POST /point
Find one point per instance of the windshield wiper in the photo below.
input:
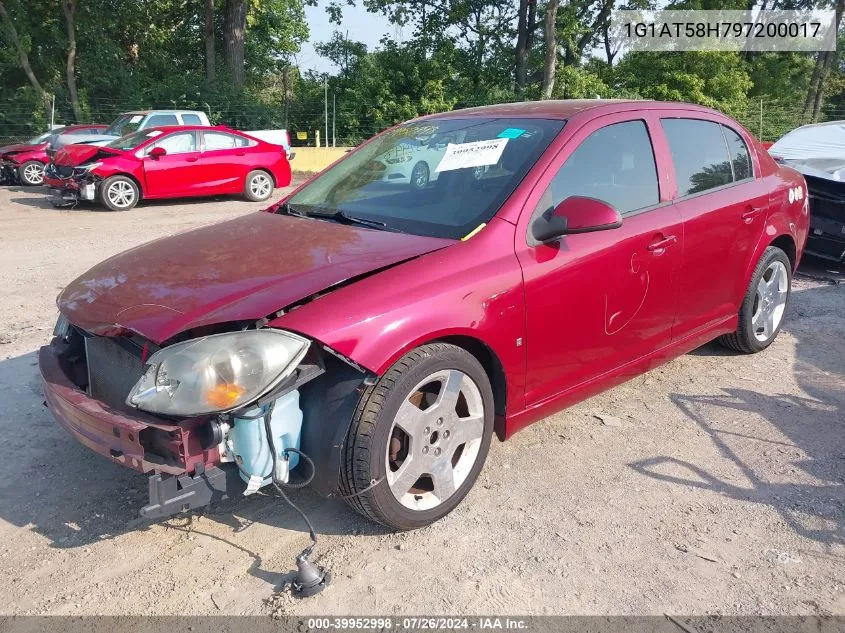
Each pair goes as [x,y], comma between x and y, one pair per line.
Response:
[287,209]
[341,215]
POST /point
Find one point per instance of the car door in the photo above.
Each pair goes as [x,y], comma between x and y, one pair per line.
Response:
[225,161]
[723,207]
[178,172]
[598,301]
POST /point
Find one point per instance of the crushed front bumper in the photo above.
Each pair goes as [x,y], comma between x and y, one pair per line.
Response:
[187,476]
[67,190]
[136,440]
[8,172]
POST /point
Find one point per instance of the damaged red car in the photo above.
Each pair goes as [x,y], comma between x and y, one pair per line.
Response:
[167,162]
[24,162]
[370,337]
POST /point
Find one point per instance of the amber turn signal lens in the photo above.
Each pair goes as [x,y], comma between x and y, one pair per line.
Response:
[224,395]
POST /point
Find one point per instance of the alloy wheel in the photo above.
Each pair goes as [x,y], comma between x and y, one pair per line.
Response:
[34,173]
[419,176]
[121,194]
[435,440]
[770,301]
[260,186]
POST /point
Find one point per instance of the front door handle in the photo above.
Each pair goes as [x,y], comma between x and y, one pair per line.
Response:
[750,213]
[660,245]
[192,159]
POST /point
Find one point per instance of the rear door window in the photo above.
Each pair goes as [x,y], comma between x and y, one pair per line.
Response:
[699,153]
[740,157]
[614,164]
[220,140]
[191,119]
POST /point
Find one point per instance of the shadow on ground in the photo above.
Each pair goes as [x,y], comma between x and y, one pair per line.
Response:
[809,494]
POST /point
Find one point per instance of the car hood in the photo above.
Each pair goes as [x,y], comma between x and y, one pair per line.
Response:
[20,147]
[73,155]
[242,269]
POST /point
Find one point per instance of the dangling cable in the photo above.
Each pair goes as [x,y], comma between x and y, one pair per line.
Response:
[310,579]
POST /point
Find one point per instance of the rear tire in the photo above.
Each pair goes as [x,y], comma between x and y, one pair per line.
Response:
[423,430]
[31,173]
[119,193]
[763,308]
[258,186]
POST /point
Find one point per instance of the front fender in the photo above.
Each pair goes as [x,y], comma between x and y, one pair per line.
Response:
[471,289]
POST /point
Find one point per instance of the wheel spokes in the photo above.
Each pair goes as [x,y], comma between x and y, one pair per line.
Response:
[469,429]
[443,479]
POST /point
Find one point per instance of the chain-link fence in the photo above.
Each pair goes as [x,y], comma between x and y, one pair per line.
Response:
[338,124]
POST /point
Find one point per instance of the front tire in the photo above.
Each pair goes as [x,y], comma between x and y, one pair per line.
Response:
[762,310]
[31,173]
[258,186]
[424,430]
[119,193]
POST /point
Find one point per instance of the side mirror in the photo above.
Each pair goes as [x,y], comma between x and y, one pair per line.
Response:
[576,214]
[157,152]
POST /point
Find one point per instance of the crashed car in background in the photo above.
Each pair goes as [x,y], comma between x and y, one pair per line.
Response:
[24,162]
[130,122]
[126,124]
[167,162]
[818,152]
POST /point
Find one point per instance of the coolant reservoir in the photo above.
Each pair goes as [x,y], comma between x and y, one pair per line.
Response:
[249,440]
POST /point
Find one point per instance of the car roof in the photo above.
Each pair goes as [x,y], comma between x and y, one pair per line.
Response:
[565,109]
[163,112]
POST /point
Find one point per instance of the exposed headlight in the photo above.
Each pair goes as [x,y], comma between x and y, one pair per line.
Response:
[62,326]
[217,373]
[90,167]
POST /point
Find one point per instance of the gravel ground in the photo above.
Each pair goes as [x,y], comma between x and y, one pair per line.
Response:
[712,485]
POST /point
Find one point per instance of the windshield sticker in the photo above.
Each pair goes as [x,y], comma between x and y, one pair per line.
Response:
[154,133]
[475,154]
[136,118]
[511,132]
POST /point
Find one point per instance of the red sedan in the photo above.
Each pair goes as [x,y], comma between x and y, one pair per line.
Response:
[386,330]
[24,162]
[167,162]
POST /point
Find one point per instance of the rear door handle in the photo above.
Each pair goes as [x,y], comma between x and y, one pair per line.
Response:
[750,213]
[662,244]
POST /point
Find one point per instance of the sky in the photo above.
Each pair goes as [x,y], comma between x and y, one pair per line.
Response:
[361,25]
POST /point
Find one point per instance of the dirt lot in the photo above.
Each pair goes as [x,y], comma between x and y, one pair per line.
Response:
[717,484]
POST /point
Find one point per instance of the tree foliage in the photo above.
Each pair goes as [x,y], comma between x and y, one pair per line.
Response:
[236,59]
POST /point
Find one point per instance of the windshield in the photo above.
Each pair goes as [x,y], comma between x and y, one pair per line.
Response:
[124,125]
[42,138]
[131,141]
[441,178]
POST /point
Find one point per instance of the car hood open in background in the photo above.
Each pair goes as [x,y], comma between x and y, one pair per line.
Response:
[242,269]
[20,147]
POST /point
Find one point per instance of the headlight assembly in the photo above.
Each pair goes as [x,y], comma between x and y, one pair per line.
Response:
[217,373]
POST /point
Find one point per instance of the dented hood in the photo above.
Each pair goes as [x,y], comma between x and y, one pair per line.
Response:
[243,269]
[74,155]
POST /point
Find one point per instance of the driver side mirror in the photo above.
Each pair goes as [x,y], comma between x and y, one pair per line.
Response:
[576,214]
[157,152]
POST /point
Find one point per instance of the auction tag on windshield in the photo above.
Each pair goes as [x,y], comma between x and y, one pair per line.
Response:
[136,118]
[475,154]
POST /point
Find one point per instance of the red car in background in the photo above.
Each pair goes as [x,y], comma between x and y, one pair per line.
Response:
[167,162]
[24,162]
